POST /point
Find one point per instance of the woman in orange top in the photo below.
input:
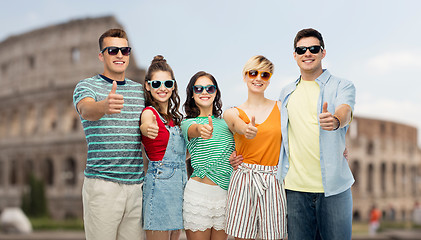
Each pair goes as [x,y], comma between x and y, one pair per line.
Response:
[256,204]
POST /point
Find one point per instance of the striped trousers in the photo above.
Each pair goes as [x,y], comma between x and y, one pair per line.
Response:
[256,206]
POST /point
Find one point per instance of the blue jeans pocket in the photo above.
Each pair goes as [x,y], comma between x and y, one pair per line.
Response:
[165,173]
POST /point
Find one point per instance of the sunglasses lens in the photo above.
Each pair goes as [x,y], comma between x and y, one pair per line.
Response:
[314,49]
[169,84]
[113,50]
[265,75]
[125,51]
[197,89]
[155,84]
[253,73]
[300,50]
[210,89]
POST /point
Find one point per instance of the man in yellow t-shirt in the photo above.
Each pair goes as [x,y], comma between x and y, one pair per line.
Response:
[316,110]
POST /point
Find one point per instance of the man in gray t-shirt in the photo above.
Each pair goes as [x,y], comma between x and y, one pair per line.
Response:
[109,106]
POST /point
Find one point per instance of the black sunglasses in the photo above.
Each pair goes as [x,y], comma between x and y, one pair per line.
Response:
[114,50]
[157,84]
[313,49]
[198,89]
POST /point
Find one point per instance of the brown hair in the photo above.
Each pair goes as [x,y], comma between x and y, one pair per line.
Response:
[160,64]
[115,32]
[309,32]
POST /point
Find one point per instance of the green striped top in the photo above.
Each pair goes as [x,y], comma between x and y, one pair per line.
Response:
[210,157]
[114,140]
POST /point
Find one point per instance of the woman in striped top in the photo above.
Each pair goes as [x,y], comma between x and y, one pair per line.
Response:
[210,143]
[166,151]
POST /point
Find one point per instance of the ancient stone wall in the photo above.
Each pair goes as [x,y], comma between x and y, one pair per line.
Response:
[40,131]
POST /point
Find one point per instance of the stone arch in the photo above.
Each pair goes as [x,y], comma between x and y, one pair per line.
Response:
[404,178]
[50,118]
[70,171]
[14,124]
[413,180]
[71,120]
[356,215]
[14,172]
[394,176]
[75,53]
[30,121]
[28,170]
[370,177]
[3,127]
[48,172]
[2,173]
[370,148]
[355,168]
[383,178]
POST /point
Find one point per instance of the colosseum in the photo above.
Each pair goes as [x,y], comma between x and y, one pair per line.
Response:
[40,131]
[386,162]
[41,134]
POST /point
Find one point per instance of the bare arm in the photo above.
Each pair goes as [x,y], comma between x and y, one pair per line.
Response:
[91,110]
[201,130]
[148,124]
[339,119]
[237,125]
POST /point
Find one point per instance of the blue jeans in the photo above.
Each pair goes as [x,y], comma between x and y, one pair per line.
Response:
[314,216]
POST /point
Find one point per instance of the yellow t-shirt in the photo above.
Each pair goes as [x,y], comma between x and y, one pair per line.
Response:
[304,173]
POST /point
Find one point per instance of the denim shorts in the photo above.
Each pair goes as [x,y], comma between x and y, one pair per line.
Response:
[163,190]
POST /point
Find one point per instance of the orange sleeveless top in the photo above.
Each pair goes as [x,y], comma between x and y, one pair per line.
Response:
[264,149]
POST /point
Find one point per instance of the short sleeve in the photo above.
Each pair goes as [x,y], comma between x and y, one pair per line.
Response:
[346,94]
[185,125]
[82,91]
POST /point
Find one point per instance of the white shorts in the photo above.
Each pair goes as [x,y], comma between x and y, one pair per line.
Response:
[112,210]
[204,206]
[256,205]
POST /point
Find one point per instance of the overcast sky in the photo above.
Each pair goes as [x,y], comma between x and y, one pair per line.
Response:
[374,43]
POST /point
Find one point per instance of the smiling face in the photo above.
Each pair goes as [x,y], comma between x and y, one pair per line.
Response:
[161,94]
[114,65]
[204,100]
[256,84]
[310,62]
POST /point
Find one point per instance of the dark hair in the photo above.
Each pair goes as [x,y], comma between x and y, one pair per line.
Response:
[309,32]
[115,32]
[160,64]
[190,107]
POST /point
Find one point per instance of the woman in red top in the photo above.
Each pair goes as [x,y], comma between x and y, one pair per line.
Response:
[165,148]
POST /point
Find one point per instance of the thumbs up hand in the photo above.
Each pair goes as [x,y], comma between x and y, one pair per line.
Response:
[152,129]
[251,129]
[206,130]
[114,102]
[326,119]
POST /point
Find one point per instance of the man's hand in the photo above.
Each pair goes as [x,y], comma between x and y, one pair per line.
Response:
[326,119]
[152,129]
[235,160]
[251,129]
[114,102]
[206,130]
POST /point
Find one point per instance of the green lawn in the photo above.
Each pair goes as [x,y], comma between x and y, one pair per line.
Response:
[45,223]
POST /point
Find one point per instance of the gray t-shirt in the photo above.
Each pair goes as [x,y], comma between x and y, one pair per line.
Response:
[114,152]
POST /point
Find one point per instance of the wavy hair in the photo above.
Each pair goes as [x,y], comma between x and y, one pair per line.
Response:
[160,64]
[190,107]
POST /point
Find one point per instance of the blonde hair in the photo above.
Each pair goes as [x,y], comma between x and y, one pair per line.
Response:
[258,62]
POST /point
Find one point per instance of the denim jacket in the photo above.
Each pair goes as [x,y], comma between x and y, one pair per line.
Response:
[336,174]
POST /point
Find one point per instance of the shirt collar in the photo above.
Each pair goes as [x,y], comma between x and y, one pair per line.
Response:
[323,78]
[111,80]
